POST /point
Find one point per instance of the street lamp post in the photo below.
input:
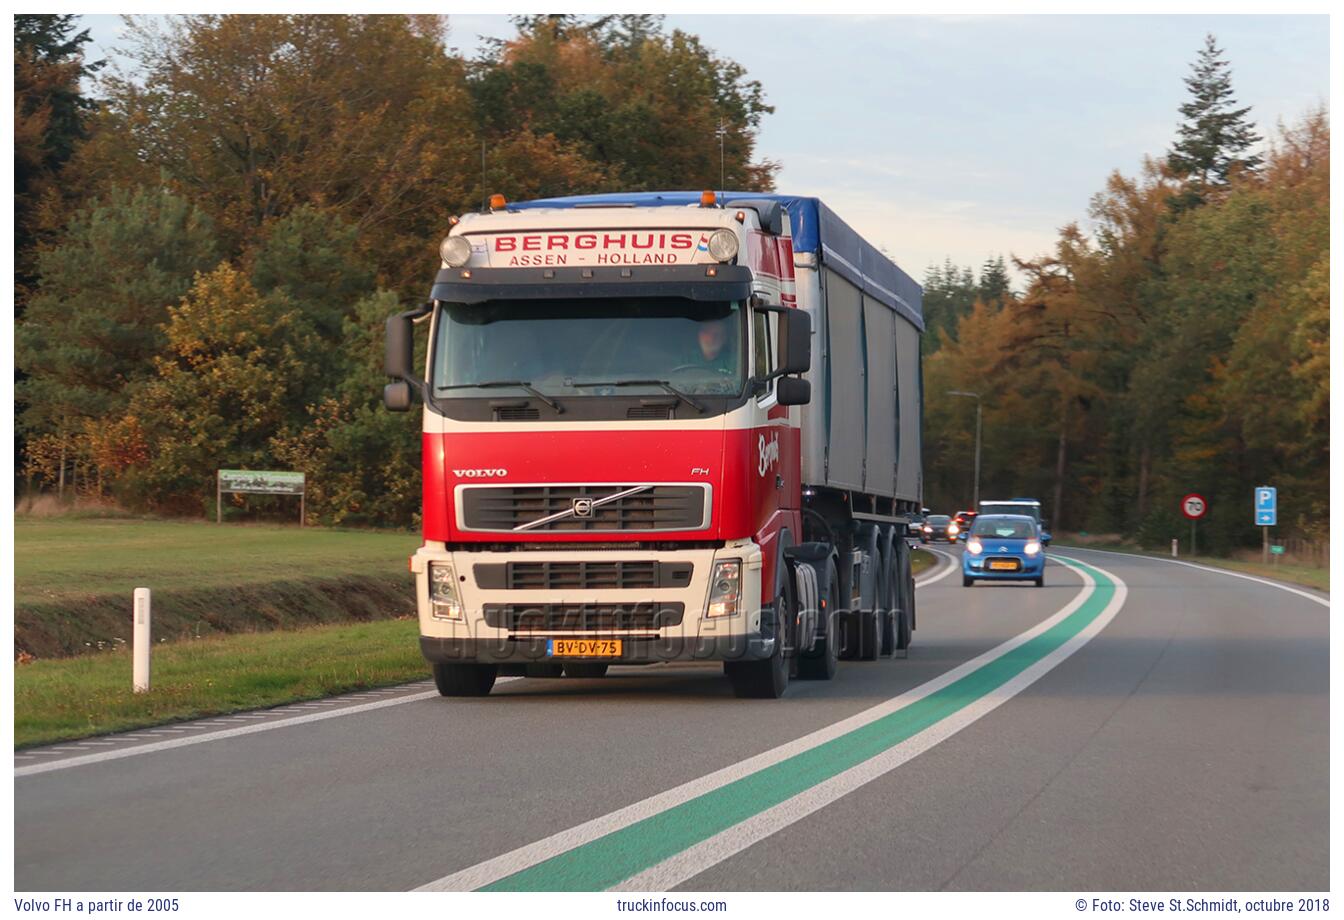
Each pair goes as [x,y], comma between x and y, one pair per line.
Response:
[975,500]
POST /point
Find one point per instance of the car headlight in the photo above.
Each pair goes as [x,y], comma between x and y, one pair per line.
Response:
[455,250]
[1032,548]
[725,588]
[953,529]
[444,602]
[973,546]
[928,529]
[723,245]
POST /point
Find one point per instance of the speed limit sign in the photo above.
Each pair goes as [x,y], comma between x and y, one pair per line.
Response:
[1194,506]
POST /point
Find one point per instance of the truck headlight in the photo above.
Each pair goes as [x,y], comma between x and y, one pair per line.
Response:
[455,250]
[444,602]
[725,588]
[723,245]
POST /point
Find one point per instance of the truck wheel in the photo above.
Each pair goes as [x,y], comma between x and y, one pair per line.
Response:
[891,606]
[765,679]
[586,670]
[454,679]
[821,662]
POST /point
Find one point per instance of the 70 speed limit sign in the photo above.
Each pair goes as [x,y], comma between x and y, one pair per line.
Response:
[1194,506]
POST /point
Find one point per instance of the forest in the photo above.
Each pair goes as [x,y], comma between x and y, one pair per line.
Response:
[207,246]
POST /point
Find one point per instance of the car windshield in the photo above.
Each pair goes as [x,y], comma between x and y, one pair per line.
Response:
[589,346]
[1004,528]
[939,519]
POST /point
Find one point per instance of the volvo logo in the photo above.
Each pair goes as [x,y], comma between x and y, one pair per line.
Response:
[583,507]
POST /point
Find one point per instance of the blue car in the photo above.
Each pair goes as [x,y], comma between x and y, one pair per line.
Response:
[1004,547]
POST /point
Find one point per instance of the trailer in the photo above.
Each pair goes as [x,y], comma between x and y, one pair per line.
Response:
[663,426]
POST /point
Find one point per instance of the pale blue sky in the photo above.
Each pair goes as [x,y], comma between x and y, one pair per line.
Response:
[970,136]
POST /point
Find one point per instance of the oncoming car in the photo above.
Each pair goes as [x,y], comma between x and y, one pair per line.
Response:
[1003,547]
[940,528]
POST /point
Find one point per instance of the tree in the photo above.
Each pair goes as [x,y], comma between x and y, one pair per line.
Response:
[51,114]
[94,324]
[612,93]
[226,384]
[1215,135]
[994,287]
[252,117]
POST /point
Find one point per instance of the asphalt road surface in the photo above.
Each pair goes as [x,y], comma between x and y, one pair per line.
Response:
[1134,725]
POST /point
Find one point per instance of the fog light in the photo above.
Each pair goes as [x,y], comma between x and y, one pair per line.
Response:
[725,588]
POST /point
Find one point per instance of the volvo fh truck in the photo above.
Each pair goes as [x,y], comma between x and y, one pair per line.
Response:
[663,427]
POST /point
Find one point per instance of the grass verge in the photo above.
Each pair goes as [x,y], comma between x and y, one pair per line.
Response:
[1305,575]
[74,577]
[63,699]
[921,561]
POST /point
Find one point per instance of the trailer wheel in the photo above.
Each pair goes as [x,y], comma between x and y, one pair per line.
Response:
[765,679]
[890,607]
[821,662]
[458,679]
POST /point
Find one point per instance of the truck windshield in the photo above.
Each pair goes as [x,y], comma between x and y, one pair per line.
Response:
[1030,509]
[590,346]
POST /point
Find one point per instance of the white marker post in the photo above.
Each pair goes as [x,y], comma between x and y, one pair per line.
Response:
[140,642]
[1174,544]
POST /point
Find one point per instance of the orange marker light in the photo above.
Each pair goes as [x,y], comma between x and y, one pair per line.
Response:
[498,202]
[707,198]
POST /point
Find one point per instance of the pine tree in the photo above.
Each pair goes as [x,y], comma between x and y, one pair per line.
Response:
[1215,135]
[993,288]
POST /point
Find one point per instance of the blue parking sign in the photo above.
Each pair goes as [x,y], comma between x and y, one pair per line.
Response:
[1266,506]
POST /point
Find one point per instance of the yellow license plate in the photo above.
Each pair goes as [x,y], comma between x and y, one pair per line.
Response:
[583,648]
[1003,565]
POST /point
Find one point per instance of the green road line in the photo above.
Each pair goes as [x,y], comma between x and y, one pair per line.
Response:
[609,860]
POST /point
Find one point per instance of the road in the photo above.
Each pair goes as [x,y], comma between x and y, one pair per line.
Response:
[1134,725]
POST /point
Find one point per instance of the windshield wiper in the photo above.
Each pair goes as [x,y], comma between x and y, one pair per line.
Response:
[498,384]
[647,383]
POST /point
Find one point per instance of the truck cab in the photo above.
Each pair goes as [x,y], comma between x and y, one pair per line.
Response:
[611,442]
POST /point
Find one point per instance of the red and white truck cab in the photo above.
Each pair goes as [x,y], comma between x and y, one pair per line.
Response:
[615,398]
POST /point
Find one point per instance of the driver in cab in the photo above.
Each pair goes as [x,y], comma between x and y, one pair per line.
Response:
[716,351]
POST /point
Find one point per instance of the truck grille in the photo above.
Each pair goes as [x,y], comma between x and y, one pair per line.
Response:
[524,508]
[556,576]
[589,617]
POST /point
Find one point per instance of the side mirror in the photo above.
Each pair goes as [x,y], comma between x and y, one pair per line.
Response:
[400,348]
[792,391]
[795,343]
[397,396]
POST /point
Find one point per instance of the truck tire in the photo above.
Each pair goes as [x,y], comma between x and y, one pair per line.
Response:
[822,661]
[767,678]
[863,638]
[461,679]
[890,600]
[586,670]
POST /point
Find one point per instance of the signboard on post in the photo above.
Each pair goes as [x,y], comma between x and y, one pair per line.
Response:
[1266,506]
[261,482]
[1194,507]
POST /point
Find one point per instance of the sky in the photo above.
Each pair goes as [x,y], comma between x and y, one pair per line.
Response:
[969,137]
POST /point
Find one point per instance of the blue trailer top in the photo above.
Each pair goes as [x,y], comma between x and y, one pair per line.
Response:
[816,229]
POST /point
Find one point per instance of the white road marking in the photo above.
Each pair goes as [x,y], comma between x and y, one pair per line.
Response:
[938,574]
[171,743]
[1323,601]
[702,856]
[506,864]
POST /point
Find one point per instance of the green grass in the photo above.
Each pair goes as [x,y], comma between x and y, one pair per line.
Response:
[69,558]
[919,561]
[70,698]
[74,577]
[1306,575]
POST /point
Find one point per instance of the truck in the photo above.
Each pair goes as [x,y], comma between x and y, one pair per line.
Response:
[1019,505]
[663,427]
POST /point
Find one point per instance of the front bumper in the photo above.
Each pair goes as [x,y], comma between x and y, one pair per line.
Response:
[1028,566]
[470,638]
